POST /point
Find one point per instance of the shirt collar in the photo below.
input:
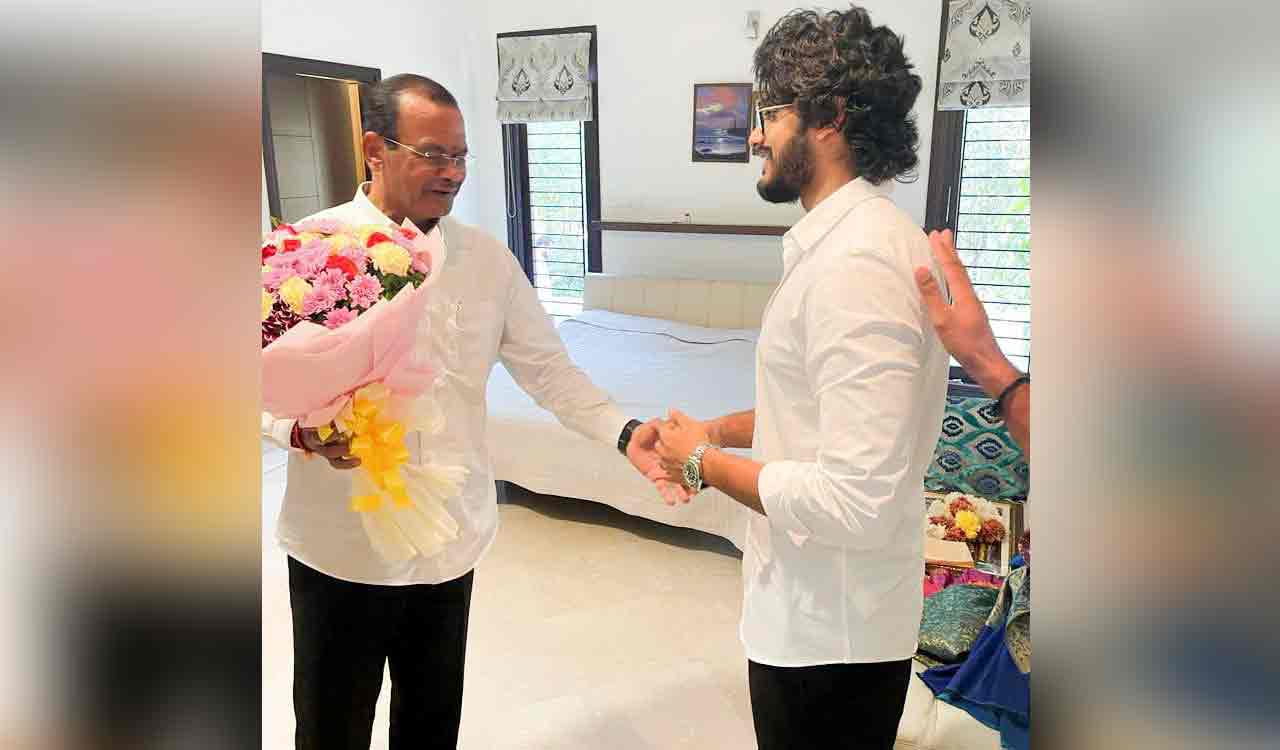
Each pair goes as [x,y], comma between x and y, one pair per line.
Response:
[822,218]
[369,213]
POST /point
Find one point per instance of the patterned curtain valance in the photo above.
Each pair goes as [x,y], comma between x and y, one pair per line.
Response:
[987,58]
[544,78]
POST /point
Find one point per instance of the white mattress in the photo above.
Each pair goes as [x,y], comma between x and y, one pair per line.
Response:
[648,365]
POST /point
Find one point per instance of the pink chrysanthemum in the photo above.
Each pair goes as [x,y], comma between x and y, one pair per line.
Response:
[311,262]
[357,255]
[272,279]
[334,279]
[317,301]
[339,316]
[364,290]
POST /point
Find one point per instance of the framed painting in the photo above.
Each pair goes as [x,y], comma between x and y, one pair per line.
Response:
[721,122]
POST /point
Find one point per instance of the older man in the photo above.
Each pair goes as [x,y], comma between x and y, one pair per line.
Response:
[352,611]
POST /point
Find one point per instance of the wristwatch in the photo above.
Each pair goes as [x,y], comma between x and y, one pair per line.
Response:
[693,468]
[624,439]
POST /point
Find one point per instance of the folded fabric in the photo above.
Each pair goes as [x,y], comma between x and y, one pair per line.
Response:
[952,620]
[994,683]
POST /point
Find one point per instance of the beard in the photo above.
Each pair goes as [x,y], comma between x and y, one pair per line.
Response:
[792,171]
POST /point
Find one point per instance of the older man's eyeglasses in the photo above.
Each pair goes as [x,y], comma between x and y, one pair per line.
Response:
[435,160]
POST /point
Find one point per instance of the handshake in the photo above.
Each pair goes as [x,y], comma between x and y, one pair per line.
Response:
[660,448]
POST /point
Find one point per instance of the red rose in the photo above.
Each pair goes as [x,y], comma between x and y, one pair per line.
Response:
[375,238]
[268,251]
[346,265]
[407,233]
[955,534]
[289,246]
[941,521]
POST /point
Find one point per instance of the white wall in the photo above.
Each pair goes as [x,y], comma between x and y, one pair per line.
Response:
[396,36]
[650,55]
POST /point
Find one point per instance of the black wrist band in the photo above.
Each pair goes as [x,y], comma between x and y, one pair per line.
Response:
[1004,395]
[624,439]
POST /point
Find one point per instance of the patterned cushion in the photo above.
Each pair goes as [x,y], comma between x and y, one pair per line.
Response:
[952,620]
[976,455]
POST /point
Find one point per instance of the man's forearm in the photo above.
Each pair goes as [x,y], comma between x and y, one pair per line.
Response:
[733,430]
[1017,417]
[737,477]
[994,376]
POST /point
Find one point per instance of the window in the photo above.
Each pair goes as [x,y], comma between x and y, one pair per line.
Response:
[980,188]
[557,201]
[993,222]
[553,198]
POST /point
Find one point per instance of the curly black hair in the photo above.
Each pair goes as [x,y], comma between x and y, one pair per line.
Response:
[826,63]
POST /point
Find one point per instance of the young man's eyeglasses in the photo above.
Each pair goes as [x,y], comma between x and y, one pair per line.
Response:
[434,160]
[769,114]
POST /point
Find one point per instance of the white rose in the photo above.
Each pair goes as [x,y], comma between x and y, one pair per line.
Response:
[936,530]
[938,508]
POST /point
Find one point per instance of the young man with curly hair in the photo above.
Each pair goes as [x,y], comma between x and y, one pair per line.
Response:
[850,385]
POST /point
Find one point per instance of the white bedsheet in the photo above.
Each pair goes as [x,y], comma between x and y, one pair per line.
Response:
[648,365]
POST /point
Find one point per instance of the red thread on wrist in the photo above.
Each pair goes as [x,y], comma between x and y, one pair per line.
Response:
[295,438]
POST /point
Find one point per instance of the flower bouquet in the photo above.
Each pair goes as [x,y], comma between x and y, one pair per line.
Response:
[341,311]
[965,518]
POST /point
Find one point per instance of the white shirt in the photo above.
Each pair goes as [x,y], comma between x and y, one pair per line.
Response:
[850,390]
[481,309]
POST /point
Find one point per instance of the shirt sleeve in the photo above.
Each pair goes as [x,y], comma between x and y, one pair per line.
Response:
[535,356]
[863,353]
[278,431]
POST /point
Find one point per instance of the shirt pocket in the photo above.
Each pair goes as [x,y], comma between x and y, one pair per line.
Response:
[466,332]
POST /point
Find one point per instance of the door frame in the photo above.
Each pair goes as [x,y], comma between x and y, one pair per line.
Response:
[287,65]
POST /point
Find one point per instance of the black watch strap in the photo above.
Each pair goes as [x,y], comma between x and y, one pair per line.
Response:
[625,438]
[1004,395]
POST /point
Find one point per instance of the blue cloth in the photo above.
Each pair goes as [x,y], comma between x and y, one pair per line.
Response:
[990,685]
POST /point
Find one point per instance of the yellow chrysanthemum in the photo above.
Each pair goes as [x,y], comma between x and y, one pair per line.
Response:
[388,257]
[306,237]
[338,241]
[267,302]
[969,523]
[293,291]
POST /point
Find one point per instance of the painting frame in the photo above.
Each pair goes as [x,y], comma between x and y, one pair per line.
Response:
[722,123]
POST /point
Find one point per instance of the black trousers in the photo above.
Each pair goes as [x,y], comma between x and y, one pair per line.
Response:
[829,706]
[343,634]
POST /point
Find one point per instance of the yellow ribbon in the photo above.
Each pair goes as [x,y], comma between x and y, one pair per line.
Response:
[379,444]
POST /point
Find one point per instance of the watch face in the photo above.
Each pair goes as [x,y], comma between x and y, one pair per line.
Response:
[690,475]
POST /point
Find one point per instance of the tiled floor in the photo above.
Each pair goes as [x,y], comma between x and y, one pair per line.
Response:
[589,629]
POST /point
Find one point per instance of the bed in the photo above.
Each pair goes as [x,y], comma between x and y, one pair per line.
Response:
[652,344]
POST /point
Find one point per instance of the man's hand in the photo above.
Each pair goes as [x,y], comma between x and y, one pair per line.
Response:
[676,440]
[642,450]
[337,450]
[962,325]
